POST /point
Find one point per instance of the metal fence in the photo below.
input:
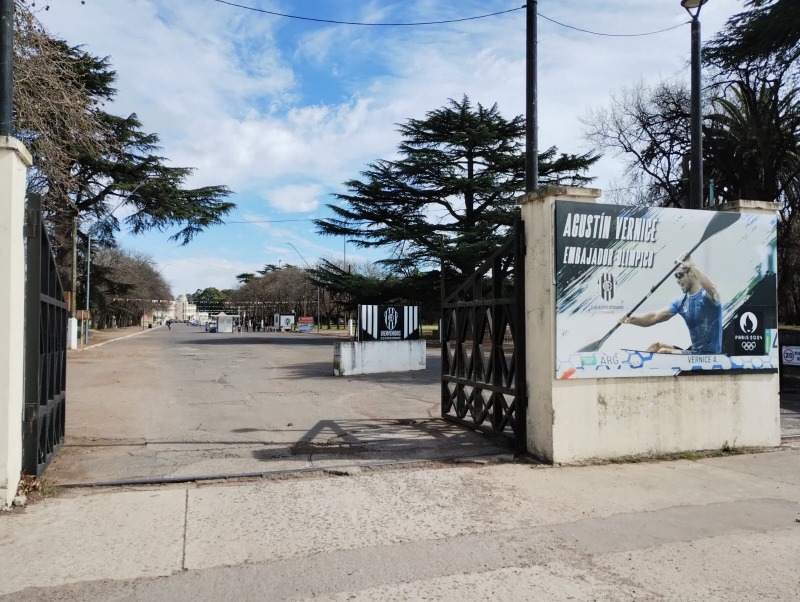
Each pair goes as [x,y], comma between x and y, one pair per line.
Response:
[45,347]
[483,346]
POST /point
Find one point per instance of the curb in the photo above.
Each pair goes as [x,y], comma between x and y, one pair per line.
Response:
[127,336]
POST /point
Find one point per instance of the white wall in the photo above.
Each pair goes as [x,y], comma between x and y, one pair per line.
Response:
[374,357]
[570,421]
[14,162]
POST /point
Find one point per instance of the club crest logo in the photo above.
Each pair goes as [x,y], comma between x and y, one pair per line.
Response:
[607,286]
[390,318]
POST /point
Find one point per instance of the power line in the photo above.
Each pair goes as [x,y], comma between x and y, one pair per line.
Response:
[446,21]
[612,35]
[335,22]
[271,221]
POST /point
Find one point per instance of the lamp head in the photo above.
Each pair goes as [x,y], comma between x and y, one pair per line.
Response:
[695,5]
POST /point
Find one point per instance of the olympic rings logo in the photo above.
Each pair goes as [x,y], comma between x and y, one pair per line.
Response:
[749,345]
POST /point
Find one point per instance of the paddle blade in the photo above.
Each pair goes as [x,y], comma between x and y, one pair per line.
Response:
[592,347]
[717,223]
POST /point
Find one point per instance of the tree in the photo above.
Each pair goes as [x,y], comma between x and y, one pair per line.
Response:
[125,286]
[87,162]
[649,126]
[450,196]
[278,291]
[753,143]
[207,295]
[768,31]
[245,277]
[54,112]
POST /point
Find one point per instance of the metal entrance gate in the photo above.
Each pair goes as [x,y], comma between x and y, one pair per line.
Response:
[483,346]
[45,347]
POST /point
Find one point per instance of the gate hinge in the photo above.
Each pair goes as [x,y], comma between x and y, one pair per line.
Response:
[32,217]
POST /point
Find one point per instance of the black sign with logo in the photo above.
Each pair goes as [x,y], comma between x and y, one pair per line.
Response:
[388,322]
[748,332]
[607,286]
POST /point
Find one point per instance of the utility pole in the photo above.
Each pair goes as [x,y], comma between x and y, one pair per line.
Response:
[73,295]
[88,267]
[531,119]
[6,67]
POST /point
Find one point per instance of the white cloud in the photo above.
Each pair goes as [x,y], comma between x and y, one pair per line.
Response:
[295,198]
[232,95]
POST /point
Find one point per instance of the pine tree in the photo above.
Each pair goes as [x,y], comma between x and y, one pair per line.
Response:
[449,197]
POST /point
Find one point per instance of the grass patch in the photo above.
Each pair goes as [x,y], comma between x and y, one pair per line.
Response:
[730,450]
[725,450]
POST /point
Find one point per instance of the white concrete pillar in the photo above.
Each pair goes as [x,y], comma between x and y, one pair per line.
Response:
[72,333]
[14,163]
[578,419]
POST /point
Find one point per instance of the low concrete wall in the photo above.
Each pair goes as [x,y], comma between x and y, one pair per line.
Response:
[374,357]
[14,162]
[571,421]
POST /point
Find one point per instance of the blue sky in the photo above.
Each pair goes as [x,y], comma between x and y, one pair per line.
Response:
[283,111]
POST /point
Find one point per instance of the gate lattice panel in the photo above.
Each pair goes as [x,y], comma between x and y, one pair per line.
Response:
[45,348]
[483,346]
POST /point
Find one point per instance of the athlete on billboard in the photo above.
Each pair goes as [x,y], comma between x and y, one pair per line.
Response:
[700,308]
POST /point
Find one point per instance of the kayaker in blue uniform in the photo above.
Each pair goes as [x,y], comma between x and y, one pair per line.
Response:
[700,308]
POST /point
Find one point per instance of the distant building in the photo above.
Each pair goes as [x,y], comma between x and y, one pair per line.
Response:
[182,310]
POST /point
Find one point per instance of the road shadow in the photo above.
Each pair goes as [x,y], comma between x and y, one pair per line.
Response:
[388,440]
[430,376]
[260,338]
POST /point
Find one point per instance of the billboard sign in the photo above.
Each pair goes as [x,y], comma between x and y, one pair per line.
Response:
[283,321]
[388,322]
[652,291]
[305,324]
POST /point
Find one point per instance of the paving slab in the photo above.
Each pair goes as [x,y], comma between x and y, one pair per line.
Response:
[661,531]
[116,535]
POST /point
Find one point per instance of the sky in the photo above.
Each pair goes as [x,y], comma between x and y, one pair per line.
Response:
[283,111]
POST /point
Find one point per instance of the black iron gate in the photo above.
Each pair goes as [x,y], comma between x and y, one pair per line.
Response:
[45,347]
[483,346]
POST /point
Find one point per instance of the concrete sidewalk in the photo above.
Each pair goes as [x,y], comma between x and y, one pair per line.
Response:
[721,528]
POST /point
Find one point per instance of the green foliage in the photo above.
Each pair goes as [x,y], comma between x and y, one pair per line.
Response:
[449,197]
[89,162]
[768,31]
[245,277]
[207,295]
[752,141]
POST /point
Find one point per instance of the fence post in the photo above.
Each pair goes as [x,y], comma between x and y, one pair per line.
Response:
[14,162]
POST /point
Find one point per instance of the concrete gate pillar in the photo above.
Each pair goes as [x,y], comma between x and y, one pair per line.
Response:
[574,420]
[14,162]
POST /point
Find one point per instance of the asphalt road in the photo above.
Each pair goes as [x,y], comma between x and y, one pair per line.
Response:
[183,403]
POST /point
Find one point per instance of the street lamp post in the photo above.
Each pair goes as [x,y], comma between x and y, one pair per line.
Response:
[319,323]
[696,174]
[88,273]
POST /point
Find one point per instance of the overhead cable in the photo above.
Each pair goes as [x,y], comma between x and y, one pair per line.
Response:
[446,21]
